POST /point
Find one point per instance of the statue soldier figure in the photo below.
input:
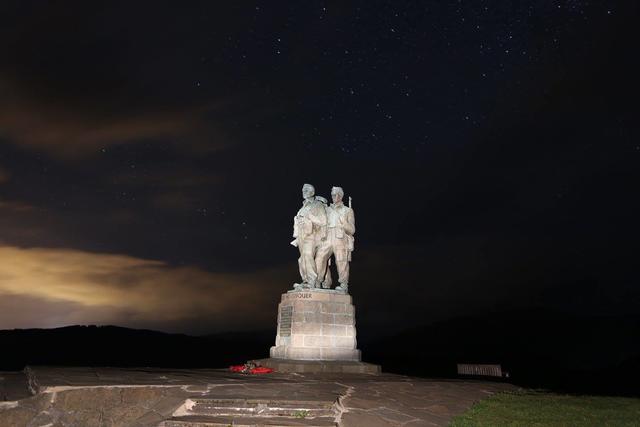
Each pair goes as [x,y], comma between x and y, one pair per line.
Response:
[341,226]
[309,227]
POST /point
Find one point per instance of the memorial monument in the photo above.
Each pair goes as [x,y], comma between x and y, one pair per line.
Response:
[317,324]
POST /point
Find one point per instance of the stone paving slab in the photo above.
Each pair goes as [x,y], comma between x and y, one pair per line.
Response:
[146,397]
[195,421]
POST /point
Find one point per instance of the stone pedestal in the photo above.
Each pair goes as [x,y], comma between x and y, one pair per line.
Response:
[316,325]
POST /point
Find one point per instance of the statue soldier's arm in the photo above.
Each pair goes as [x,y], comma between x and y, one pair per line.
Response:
[295,231]
[350,224]
[318,215]
[350,229]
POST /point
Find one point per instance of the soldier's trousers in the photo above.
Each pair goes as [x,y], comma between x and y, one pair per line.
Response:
[306,262]
[338,248]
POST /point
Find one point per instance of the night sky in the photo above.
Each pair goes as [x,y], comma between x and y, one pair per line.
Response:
[152,156]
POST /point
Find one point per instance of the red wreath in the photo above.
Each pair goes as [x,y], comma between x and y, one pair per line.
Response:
[250,369]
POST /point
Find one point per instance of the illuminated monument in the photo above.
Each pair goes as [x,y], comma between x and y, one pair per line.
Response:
[316,324]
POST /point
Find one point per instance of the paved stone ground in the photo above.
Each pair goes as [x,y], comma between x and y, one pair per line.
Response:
[158,397]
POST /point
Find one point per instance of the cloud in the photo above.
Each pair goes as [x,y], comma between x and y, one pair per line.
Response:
[175,201]
[61,286]
[175,188]
[4,176]
[15,206]
[71,130]
[69,134]
[171,177]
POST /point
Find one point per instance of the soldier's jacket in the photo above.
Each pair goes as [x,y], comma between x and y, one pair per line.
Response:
[342,219]
[311,218]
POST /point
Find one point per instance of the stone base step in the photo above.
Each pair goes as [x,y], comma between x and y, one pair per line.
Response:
[210,421]
[261,407]
[319,366]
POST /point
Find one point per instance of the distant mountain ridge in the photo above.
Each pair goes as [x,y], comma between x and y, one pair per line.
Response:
[539,348]
[119,346]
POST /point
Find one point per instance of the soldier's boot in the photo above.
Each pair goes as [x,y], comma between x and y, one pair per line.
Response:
[344,287]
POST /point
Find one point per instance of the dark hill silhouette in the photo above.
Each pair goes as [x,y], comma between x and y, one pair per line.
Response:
[538,348]
[116,346]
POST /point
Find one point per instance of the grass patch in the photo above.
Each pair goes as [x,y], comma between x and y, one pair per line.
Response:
[532,408]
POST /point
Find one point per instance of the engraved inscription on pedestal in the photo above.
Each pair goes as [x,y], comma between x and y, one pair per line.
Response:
[286,314]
